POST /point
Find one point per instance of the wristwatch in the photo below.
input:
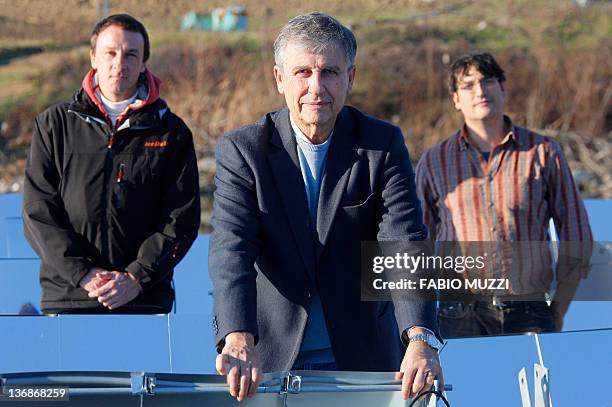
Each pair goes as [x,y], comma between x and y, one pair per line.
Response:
[429,339]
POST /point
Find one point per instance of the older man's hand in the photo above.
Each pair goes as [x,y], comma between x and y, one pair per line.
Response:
[421,365]
[119,289]
[240,362]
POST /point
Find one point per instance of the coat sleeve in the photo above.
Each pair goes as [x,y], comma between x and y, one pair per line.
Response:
[402,223]
[179,218]
[46,224]
[234,244]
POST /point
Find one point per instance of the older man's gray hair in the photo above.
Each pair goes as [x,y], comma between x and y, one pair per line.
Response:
[316,32]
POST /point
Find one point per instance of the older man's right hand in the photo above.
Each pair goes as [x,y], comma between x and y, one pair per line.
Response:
[240,362]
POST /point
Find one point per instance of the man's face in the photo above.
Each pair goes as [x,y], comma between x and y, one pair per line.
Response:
[479,98]
[118,59]
[315,86]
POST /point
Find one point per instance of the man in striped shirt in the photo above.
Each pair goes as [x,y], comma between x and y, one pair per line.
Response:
[495,182]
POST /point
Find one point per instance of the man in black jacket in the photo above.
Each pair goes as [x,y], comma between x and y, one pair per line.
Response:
[111,195]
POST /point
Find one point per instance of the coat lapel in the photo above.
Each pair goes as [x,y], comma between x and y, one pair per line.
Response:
[340,159]
[286,171]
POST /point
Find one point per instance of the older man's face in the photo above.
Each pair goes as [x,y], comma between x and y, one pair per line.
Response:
[315,86]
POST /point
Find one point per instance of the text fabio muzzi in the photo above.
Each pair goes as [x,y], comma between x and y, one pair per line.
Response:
[443,284]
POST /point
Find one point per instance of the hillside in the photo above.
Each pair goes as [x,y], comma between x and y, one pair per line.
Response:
[557,56]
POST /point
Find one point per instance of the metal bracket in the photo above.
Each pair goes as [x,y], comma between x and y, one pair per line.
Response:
[433,399]
[143,384]
[541,395]
[291,384]
[541,385]
[525,399]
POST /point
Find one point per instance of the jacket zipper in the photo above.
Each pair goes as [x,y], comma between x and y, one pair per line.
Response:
[108,168]
[118,198]
[106,195]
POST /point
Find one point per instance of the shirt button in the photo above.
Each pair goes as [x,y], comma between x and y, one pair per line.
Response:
[492,230]
[491,204]
[307,294]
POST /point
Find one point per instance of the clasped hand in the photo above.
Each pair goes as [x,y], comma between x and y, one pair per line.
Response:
[113,289]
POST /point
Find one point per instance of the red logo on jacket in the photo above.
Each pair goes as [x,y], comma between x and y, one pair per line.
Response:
[158,144]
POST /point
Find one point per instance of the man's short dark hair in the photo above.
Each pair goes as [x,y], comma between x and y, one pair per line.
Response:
[125,21]
[482,61]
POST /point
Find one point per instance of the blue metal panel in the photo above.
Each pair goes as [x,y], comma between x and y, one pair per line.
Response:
[565,355]
[191,280]
[599,218]
[82,342]
[19,285]
[29,344]
[10,205]
[192,343]
[114,343]
[13,244]
[484,371]
[12,240]
[588,315]
[139,343]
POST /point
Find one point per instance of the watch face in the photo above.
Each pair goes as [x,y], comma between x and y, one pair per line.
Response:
[433,342]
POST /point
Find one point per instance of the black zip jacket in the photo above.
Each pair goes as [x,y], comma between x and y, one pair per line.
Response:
[125,200]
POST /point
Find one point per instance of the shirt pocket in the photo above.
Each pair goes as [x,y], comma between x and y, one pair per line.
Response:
[523,191]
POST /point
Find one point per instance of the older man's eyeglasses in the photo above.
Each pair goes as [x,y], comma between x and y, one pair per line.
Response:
[470,86]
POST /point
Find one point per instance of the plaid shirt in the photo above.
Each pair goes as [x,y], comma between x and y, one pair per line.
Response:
[511,197]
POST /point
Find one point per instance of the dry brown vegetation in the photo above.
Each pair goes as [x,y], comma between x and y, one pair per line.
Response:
[558,61]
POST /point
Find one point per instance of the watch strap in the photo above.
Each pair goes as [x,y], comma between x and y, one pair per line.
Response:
[428,338]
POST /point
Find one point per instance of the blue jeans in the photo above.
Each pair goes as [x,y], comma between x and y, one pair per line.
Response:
[483,318]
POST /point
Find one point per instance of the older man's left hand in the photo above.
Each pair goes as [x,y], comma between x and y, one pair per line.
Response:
[120,289]
[421,365]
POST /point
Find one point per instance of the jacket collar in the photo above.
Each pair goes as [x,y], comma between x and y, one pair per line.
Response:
[286,171]
[147,94]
